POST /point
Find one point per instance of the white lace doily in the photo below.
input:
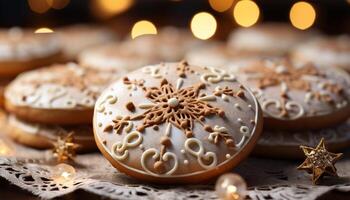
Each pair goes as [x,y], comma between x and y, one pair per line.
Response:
[267,179]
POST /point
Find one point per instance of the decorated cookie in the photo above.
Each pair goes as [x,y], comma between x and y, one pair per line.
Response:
[170,44]
[22,49]
[43,136]
[176,123]
[219,55]
[283,144]
[76,38]
[114,57]
[297,97]
[323,51]
[268,39]
[60,94]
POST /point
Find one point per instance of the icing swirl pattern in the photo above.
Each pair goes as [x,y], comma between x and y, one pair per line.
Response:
[186,125]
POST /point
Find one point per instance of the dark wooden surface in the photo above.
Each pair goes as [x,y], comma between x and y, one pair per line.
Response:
[11,192]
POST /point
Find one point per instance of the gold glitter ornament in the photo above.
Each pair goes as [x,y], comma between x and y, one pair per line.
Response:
[64,148]
[319,161]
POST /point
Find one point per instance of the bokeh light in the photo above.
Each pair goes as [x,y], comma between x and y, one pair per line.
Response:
[143,27]
[246,13]
[302,15]
[43,30]
[109,8]
[221,5]
[39,6]
[203,25]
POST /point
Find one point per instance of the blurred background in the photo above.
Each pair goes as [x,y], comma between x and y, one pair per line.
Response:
[218,16]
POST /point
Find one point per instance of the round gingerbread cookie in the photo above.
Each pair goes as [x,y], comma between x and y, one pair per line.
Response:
[283,144]
[219,55]
[44,136]
[60,94]
[114,57]
[22,49]
[297,97]
[76,38]
[325,51]
[267,39]
[176,123]
[170,44]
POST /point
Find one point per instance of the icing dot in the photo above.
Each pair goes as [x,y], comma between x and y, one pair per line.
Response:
[239,120]
[110,112]
[227,156]
[100,124]
[183,151]
[237,106]
[173,102]
[186,162]
[244,130]
[250,106]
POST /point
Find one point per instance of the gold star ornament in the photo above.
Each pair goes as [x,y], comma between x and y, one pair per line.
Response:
[64,148]
[319,161]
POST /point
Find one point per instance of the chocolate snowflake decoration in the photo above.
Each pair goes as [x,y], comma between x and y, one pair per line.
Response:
[290,77]
[283,74]
[180,107]
[319,161]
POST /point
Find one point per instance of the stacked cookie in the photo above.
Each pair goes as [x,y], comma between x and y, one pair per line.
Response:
[21,50]
[298,101]
[46,103]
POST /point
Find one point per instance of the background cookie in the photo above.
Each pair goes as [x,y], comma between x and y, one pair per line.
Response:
[325,51]
[21,50]
[219,55]
[60,94]
[298,97]
[176,123]
[282,144]
[76,38]
[170,44]
[42,136]
[116,58]
[266,39]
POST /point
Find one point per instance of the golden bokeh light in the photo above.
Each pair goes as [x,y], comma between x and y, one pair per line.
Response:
[39,6]
[203,25]
[246,13]
[5,150]
[221,5]
[302,15]
[63,174]
[109,8]
[58,4]
[43,30]
[143,27]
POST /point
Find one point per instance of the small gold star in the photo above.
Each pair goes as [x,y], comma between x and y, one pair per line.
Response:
[64,147]
[319,161]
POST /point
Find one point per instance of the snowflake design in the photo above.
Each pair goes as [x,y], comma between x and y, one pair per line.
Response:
[288,76]
[283,74]
[179,107]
